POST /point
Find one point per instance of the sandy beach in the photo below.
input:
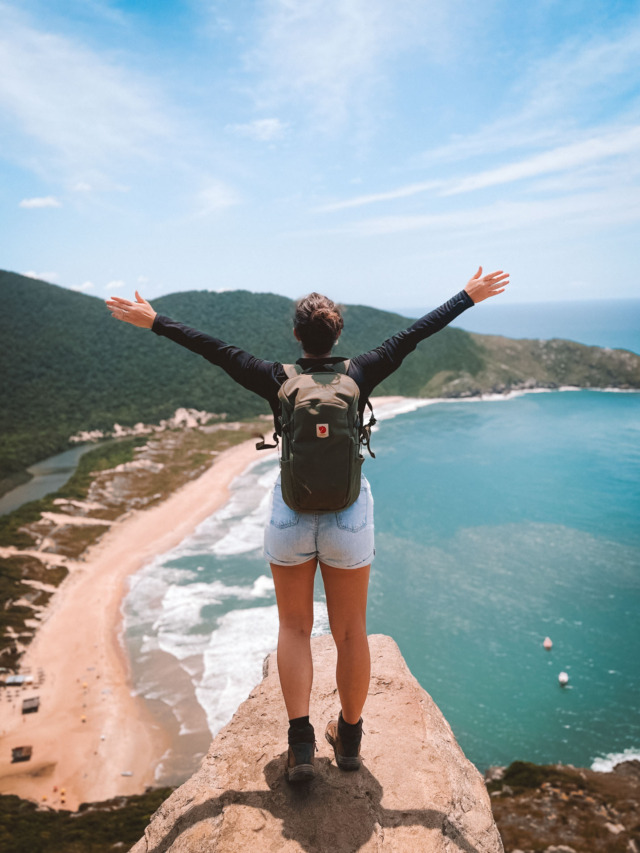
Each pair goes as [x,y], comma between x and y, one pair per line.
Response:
[90,730]
[91,738]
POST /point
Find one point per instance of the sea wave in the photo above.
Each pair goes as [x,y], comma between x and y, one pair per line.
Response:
[234,657]
[608,762]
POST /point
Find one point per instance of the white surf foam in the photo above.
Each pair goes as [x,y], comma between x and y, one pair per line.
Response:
[234,657]
[606,763]
[387,411]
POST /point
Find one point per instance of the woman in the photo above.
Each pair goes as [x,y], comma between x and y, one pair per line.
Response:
[295,543]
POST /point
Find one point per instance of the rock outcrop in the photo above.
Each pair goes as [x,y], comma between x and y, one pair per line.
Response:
[415,792]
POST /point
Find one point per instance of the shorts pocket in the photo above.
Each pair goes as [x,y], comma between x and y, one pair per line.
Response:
[356,516]
[282,516]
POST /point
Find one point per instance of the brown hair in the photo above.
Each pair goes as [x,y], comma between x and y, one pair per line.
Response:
[318,322]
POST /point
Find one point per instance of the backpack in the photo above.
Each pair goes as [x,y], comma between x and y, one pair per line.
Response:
[322,437]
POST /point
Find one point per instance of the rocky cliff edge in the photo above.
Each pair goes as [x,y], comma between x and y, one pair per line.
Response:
[416,790]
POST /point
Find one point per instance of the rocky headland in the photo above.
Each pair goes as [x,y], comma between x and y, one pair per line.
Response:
[416,791]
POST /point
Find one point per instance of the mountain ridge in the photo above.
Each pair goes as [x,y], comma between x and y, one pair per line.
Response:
[68,366]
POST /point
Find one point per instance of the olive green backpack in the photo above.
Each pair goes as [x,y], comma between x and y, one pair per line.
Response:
[322,438]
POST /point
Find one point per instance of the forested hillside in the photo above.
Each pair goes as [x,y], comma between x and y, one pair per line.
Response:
[67,365]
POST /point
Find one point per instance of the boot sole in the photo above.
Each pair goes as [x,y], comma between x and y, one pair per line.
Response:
[344,762]
[301,773]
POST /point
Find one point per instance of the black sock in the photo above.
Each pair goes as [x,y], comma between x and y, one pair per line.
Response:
[349,728]
[301,730]
[299,723]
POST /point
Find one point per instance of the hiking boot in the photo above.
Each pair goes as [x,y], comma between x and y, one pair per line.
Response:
[300,762]
[345,742]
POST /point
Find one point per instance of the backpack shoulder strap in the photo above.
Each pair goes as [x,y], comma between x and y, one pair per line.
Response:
[292,370]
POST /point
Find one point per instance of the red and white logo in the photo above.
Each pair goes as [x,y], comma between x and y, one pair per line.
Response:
[322,430]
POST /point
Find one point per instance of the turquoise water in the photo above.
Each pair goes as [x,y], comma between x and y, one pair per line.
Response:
[498,523]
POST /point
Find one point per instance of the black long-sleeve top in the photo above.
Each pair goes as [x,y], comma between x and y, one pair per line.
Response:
[265,377]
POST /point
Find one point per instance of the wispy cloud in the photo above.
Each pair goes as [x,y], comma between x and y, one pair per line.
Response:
[329,54]
[580,85]
[45,201]
[565,158]
[617,206]
[84,287]
[81,109]
[391,195]
[263,129]
[565,125]
[216,196]
[114,285]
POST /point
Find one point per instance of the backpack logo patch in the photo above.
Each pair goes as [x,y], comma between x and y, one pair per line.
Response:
[322,430]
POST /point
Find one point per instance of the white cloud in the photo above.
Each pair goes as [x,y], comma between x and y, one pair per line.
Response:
[329,53]
[564,158]
[618,206]
[42,276]
[216,196]
[593,150]
[263,129]
[400,192]
[142,279]
[82,288]
[46,201]
[82,187]
[82,108]
[579,85]
[114,285]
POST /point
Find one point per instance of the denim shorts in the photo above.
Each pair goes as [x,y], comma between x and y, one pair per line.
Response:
[343,539]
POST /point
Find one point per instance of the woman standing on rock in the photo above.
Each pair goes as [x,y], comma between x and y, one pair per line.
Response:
[297,541]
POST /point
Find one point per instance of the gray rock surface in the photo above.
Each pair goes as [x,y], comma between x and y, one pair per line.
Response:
[416,790]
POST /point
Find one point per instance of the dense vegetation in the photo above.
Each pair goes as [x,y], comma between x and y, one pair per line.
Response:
[97,828]
[68,365]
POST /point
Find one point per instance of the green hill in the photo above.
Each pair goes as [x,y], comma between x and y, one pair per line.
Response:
[67,365]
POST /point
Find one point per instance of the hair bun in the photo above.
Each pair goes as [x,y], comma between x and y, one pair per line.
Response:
[318,322]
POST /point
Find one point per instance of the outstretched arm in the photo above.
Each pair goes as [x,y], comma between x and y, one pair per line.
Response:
[138,313]
[374,366]
[480,287]
[253,373]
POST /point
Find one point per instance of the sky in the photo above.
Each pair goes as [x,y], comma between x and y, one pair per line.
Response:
[378,151]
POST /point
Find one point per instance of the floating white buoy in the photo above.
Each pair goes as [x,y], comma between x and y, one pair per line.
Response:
[563,678]
[547,643]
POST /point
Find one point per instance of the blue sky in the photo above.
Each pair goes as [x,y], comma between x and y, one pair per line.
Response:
[375,150]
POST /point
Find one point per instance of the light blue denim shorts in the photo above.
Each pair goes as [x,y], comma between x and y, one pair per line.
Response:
[343,540]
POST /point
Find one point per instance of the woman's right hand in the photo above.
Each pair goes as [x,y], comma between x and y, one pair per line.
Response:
[138,313]
[481,287]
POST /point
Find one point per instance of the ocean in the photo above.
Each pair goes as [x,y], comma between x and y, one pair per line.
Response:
[498,522]
[611,323]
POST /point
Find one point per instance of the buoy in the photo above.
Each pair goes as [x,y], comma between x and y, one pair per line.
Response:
[563,678]
[547,643]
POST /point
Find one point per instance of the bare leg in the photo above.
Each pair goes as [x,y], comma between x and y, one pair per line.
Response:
[346,591]
[294,594]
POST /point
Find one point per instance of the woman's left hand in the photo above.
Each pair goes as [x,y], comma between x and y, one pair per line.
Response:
[483,286]
[138,313]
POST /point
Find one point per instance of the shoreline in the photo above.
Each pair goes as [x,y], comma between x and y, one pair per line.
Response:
[91,729]
[87,672]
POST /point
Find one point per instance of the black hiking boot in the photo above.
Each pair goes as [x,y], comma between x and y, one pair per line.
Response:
[345,740]
[300,761]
